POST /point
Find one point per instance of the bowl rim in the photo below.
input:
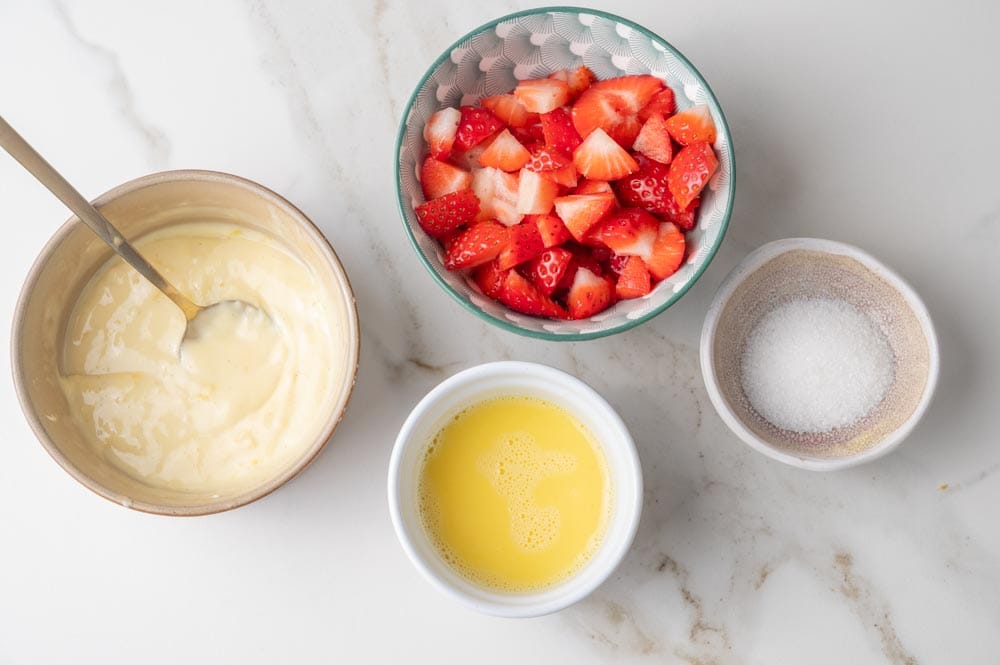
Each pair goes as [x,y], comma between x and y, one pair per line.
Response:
[749,265]
[353,334]
[632,502]
[541,334]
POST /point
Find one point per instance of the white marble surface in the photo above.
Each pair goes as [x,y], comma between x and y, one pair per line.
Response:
[865,122]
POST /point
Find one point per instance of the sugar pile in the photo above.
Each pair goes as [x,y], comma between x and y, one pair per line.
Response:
[813,365]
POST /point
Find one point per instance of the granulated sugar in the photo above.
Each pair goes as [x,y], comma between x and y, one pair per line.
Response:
[813,365]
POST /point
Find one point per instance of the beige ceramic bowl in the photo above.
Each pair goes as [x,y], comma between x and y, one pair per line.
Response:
[73,255]
[811,268]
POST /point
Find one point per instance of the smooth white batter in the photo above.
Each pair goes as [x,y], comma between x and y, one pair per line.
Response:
[239,400]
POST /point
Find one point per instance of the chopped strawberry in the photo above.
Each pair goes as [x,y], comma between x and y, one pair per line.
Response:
[478,244]
[647,187]
[662,103]
[685,218]
[558,131]
[438,178]
[489,278]
[589,294]
[600,157]
[692,125]
[613,105]
[552,230]
[505,153]
[440,130]
[566,176]
[628,232]
[633,280]
[617,263]
[508,109]
[668,252]
[542,95]
[593,187]
[530,133]
[690,171]
[579,212]
[522,296]
[475,125]
[523,244]
[654,140]
[497,193]
[535,193]
[603,256]
[439,217]
[549,268]
[544,158]
[469,159]
[578,79]
[586,260]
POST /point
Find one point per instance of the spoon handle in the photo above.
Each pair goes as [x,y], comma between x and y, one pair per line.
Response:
[35,164]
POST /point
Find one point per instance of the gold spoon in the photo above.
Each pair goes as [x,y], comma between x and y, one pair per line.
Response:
[35,164]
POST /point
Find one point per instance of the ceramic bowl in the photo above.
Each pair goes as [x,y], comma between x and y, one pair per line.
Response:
[73,255]
[524,379]
[810,268]
[530,44]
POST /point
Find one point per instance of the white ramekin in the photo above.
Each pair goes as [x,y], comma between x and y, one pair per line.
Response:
[532,380]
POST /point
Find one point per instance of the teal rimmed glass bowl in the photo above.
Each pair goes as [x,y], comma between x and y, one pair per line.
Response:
[491,60]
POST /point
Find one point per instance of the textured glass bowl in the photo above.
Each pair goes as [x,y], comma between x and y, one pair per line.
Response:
[491,60]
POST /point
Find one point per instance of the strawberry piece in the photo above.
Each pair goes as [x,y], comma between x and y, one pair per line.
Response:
[469,159]
[667,253]
[508,109]
[489,278]
[552,230]
[542,95]
[613,105]
[692,125]
[439,217]
[600,157]
[629,232]
[647,187]
[593,187]
[654,140]
[478,244]
[440,130]
[529,134]
[497,193]
[438,178]
[617,263]
[566,176]
[522,296]
[603,256]
[662,103]
[505,153]
[548,269]
[684,218]
[690,171]
[586,260]
[578,79]
[547,159]
[535,193]
[524,243]
[579,212]
[589,294]
[474,126]
[633,280]
[558,131]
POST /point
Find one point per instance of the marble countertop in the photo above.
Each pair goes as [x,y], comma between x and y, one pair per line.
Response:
[862,122]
